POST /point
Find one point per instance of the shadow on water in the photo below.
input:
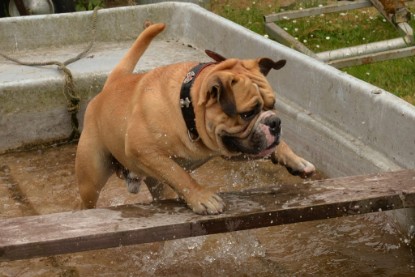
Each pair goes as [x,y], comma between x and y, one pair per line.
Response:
[42,181]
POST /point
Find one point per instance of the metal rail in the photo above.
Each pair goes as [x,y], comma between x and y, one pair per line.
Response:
[360,54]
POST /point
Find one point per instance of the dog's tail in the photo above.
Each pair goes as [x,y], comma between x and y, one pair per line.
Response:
[128,62]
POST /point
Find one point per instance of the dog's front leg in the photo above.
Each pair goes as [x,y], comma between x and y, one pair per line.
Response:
[295,165]
[200,200]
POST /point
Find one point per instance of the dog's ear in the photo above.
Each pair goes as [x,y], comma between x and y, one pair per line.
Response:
[225,98]
[215,56]
[265,65]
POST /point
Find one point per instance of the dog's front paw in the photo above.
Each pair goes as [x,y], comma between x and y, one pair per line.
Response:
[205,202]
[302,168]
[296,165]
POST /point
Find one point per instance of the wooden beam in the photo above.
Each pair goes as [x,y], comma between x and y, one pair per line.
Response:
[68,232]
[337,7]
[280,35]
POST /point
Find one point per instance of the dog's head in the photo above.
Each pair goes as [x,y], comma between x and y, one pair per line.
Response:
[235,109]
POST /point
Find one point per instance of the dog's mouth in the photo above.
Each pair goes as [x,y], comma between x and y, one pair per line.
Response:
[268,151]
[259,144]
[272,143]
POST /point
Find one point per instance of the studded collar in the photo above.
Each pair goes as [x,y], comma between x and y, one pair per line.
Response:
[186,100]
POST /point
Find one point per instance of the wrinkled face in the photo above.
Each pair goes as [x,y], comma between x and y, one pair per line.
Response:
[239,108]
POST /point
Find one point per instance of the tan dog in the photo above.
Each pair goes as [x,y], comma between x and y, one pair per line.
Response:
[173,119]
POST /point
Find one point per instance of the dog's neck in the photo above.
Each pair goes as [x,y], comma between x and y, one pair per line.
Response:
[186,100]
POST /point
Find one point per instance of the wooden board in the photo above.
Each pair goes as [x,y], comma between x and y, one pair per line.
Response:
[333,8]
[68,232]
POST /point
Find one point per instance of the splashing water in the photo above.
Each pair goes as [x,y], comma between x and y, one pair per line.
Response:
[214,255]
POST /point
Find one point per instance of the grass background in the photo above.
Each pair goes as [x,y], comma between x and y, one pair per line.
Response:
[332,31]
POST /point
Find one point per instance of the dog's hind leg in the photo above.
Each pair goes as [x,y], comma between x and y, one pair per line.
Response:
[158,190]
[132,181]
[93,167]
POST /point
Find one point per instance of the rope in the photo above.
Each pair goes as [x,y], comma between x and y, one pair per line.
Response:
[69,91]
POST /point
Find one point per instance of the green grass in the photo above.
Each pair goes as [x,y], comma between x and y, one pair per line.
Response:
[87,5]
[338,30]
[395,76]
[332,31]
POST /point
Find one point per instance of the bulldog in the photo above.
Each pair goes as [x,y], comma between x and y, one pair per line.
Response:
[161,124]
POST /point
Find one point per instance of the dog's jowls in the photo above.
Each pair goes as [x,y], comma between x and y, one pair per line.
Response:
[138,127]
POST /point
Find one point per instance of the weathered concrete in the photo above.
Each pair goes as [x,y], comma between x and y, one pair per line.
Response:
[344,125]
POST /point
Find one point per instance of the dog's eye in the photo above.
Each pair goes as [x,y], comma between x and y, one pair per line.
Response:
[248,115]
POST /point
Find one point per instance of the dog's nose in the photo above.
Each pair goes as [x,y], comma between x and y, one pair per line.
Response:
[274,124]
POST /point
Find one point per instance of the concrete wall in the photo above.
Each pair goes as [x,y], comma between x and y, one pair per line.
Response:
[345,126]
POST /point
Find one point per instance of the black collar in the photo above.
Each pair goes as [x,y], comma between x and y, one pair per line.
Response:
[186,100]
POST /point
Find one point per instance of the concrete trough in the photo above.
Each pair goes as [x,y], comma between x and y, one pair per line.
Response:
[343,125]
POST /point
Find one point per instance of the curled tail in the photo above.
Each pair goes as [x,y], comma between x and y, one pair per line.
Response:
[128,62]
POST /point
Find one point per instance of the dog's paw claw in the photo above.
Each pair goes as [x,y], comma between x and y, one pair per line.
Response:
[206,203]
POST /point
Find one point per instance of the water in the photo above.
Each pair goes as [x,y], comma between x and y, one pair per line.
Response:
[43,181]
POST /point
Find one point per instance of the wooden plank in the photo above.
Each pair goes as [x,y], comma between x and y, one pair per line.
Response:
[407,31]
[44,235]
[279,34]
[379,6]
[338,7]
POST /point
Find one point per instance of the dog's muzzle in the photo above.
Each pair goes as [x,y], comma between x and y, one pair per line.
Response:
[263,139]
